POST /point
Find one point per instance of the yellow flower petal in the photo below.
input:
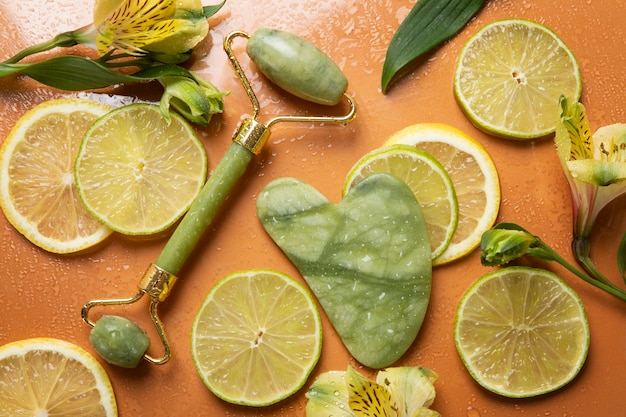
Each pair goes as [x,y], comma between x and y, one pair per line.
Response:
[596,172]
[103,8]
[367,398]
[134,26]
[573,136]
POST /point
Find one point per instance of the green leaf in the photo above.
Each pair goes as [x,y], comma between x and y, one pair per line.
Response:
[73,73]
[621,258]
[76,73]
[209,11]
[428,24]
[366,259]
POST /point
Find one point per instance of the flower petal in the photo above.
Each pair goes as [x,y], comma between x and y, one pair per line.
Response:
[367,398]
[595,172]
[136,25]
[573,137]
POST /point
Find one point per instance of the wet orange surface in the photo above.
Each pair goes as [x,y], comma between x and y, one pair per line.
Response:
[41,294]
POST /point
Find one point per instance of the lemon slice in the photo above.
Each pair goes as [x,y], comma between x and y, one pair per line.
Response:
[473,174]
[428,180]
[510,75]
[136,172]
[521,332]
[37,189]
[256,338]
[51,377]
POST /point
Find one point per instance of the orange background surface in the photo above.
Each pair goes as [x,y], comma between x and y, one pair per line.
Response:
[41,294]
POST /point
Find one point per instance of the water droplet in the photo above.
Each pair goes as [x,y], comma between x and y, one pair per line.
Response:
[472,412]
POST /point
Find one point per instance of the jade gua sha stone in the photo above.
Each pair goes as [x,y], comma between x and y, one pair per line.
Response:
[366,259]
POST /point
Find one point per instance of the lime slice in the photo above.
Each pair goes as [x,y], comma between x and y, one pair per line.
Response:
[473,174]
[510,75]
[51,377]
[428,180]
[136,172]
[37,189]
[256,338]
[521,332]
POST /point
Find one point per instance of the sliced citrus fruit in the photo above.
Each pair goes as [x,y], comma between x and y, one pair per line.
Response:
[521,332]
[256,338]
[428,180]
[473,174]
[37,189]
[51,377]
[136,172]
[510,75]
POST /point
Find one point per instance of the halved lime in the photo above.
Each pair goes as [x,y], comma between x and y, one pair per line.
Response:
[510,75]
[136,172]
[521,332]
[256,337]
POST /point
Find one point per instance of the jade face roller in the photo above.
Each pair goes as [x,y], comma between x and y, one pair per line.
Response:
[293,64]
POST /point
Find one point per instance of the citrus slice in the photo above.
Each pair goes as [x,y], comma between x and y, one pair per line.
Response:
[510,75]
[428,180]
[521,332]
[51,377]
[256,337]
[37,189]
[136,172]
[473,174]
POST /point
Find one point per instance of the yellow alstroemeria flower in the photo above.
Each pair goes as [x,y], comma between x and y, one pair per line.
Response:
[397,392]
[595,165]
[136,27]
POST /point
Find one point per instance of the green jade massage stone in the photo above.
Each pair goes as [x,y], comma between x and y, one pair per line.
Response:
[366,259]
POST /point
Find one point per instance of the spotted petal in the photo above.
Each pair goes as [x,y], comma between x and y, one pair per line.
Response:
[137,26]
[367,398]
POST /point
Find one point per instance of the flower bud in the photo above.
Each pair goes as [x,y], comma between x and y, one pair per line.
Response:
[500,246]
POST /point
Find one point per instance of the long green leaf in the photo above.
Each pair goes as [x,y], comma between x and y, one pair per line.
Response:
[73,73]
[621,258]
[428,24]
[76,73]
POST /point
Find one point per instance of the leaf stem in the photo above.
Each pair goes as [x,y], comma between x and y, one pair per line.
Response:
[65,39]
[599,282]
[582,249]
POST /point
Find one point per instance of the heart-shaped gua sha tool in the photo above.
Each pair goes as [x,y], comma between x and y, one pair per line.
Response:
[366,259]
